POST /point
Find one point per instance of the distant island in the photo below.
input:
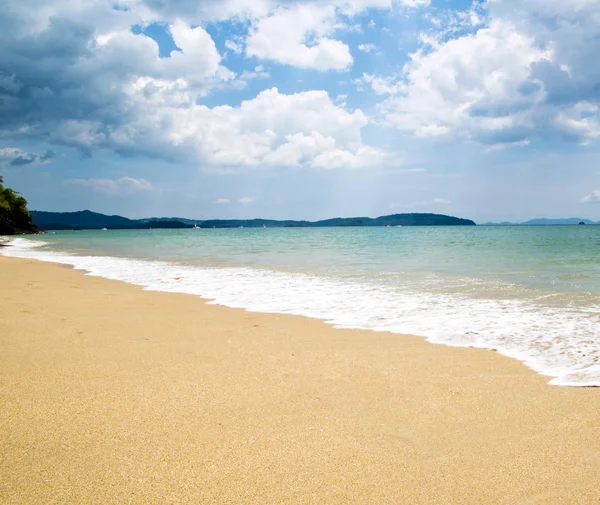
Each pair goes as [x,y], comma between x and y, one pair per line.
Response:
[88,220]
[545,221]
[14,219]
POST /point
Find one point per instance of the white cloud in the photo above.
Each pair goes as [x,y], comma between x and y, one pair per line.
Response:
[273,129]
[124,185]
[501,75]
[15,157]
[198,51]
[352,7]
[364,157]
[245,200]
[241,81]
[505,145]
[469,85]
[380,85]
[367,48]
[223,201]
[234,46]
[593,197]
[579,122]
[259,72]
[80,77]
[107,87]
[195,11]
[299,36]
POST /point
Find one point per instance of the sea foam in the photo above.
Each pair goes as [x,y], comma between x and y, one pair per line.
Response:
[559,342]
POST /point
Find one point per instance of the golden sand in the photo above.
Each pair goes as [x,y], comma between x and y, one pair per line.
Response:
[113,395]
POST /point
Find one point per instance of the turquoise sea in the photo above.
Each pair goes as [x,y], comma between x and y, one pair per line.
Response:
[529,292]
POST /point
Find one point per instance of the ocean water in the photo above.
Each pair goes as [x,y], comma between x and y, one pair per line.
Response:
[531,293]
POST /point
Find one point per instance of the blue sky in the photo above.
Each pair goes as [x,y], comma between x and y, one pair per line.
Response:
[303,109]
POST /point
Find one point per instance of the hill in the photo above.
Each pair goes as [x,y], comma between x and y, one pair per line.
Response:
[84,219]
[88,220]
[545,221]
[391,220]
[183,220]
[93,220]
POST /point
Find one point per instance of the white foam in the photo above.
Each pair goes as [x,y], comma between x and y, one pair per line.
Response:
[563,343]
[25,243]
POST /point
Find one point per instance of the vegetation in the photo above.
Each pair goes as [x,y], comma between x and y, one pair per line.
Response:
[88,220]
[392,220]
[14,216]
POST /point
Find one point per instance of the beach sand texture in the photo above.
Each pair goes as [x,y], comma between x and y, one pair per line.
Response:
[114,395]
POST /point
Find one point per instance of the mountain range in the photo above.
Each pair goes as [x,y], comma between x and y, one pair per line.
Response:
[92,220]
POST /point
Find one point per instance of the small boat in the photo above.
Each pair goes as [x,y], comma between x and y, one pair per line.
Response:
[195,227]
[264,226]
[103,229]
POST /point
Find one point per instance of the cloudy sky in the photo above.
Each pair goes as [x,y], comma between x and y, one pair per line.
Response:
[303,109]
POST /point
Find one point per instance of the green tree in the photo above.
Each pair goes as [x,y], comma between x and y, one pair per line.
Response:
[14,216]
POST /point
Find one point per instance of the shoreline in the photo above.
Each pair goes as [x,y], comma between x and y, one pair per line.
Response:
[502,325]
[115,394]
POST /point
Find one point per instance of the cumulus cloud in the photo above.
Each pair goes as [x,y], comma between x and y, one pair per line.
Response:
[80,77]
[501,74]
[15,157]
[273,129]
[302,34]
[593,197]
[299,36]
[80,83]
[124,185]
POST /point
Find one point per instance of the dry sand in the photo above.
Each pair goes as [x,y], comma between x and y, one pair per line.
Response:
[113,395]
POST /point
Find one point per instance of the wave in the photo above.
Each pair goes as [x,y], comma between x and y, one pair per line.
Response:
[559,342]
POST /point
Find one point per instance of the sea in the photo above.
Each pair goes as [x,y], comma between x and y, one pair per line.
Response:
[529,292]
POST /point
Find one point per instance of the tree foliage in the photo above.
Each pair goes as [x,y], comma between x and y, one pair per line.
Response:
[14,216]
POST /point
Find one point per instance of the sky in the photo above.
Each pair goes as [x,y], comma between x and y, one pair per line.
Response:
[303,109]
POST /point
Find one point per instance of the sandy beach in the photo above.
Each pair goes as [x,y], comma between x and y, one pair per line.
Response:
[114,395]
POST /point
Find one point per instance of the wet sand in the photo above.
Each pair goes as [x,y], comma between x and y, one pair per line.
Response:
[114,395]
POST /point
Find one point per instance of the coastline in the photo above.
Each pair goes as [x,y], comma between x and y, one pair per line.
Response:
[112,394]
